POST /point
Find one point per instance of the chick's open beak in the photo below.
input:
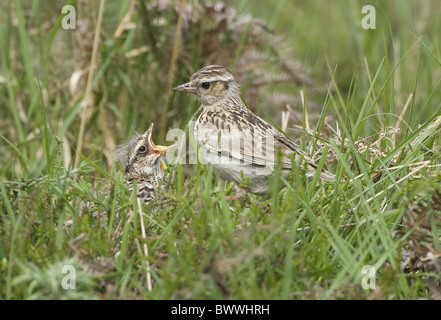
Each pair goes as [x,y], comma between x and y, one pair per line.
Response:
[186,87]
[156,148]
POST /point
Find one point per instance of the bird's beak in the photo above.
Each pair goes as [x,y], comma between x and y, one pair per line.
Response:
[156,148]
[186,87]
[163,166]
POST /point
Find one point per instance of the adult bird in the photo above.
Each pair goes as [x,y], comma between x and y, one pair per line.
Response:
[238,143]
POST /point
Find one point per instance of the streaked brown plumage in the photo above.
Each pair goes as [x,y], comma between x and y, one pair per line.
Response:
[142,163]
[232,138]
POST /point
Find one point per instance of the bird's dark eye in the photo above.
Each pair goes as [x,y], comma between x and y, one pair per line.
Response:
[142,149]
[205,85]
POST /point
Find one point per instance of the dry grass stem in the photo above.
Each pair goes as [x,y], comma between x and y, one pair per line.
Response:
[88,99]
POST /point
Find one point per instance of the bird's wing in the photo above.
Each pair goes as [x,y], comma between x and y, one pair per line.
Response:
[247,139]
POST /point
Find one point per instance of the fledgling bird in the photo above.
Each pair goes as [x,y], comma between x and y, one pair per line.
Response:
[239,144]
[143,163]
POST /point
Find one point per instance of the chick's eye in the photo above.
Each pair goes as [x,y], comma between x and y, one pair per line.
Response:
[205,85]
[142,149]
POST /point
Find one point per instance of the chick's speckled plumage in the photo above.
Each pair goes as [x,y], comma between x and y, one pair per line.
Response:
[143,164]
[236,141]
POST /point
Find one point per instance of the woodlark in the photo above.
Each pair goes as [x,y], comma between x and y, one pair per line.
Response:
[142,163]
[242,146]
